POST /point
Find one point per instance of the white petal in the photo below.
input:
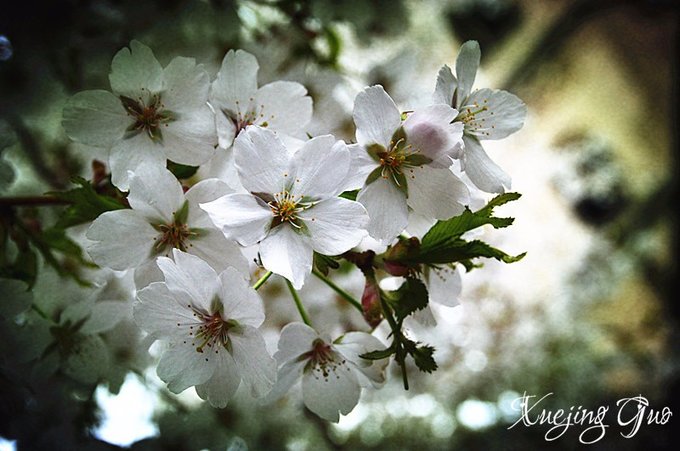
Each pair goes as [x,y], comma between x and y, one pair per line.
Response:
[203,192]
[105,315]
[158,311]
[226,129]
[284,106]
[319,168]
[287,253]
[191,275]
[186,85]
[353,344]
[221,166]
[191,138]
[123,239]
[430,132]
[155,193]
[503,114]
[219,252]
[326,395]
[376,116]
[424,317]
[128,154]
[236,81]
[257,367]
[386,207]
[241,217]
[181,367]
[288,374]
[295,340]
[362,164]
[222,386]
[443,285]
[436,193]
[95,118]
[445,87]
[135,69]
[261,160]
[484,173]
[335,225]
[240,301]
[467,64]
[147,273]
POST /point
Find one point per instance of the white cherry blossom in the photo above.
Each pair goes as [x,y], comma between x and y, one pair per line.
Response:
[162,217]
[332,372]
[153,113]
[292,208]
[486,114]
[209,323]
[401,164]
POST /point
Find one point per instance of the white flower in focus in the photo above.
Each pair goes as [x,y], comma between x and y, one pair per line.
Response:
[293,208]
[281,106]
[332,372]
[486,113]
[209,322]
[153,114]
[162,218]
[404,164]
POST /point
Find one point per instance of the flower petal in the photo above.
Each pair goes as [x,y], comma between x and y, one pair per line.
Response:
[186,85]
[236,82]
[319,168]
[191,275]
[128,154]
[219,252]
[240,301]
[502,115]
[326,395]
[445,87]
[181,367]
[484,173]
[222,386]
[226,129]
[191,139]
[155,193]
[134,70]
[123,239]
[353,344]
[295,340]
[386,207]
[241,217]
[203,192]
[261,160]
[96,118]
[287,253]
[430,131]
[362,164]
[467,64]
[158,311]
[436,193]
[376,116]
[335,225]
[285,106]
[287,375]
[257,367]
[443,285]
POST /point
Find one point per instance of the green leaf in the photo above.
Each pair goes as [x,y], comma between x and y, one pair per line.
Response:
[379,354]
[462,251]
[350,195]
[453,228]
[423,356]
[324,263]
[411,296]
[86,206]
[181,171]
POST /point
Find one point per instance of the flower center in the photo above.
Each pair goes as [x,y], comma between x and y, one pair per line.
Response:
[173,235]
[254,115]
[322,359]
[147,116]
[212,330]
[285,208]
[468,116]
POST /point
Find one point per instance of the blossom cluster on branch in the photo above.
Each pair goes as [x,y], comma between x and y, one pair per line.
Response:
[203,173]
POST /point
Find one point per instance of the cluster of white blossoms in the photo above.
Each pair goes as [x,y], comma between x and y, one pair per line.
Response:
[266,188]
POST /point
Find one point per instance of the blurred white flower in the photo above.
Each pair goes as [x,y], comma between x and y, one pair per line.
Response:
[292,209]
[486,113]
[162,217]
[332,372]
[154,113]
[209,322]
[404,164]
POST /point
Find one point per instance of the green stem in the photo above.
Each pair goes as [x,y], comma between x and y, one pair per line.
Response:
[261,281]
[345,295]
[298,303]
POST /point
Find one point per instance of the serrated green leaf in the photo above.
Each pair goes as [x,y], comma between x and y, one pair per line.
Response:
[453,228]
[86,206]
[411,296]
[423,357]
[461,251]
